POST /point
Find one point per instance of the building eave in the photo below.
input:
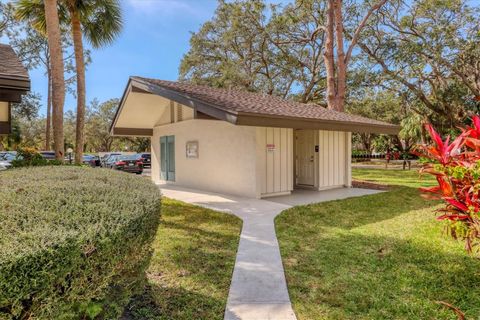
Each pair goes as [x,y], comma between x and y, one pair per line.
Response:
[203,109]
[259,120]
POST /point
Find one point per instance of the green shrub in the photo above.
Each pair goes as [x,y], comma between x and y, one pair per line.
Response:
[29,157]
[74,242]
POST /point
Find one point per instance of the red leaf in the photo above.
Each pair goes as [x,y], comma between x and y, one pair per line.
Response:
[457,204]
[445,187]
[435,136]
[452,217]
[476,119]
[430,189]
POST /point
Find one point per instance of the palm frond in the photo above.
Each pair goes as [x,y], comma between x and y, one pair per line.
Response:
[33,11]
[102,21]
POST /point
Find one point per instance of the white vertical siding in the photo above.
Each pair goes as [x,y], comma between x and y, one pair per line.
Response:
[334,159]
[274,168]
[348,159]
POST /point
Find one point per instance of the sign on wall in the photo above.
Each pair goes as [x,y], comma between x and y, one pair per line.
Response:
[270,147]
[192,149]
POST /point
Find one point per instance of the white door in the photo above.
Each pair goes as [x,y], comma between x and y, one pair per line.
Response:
[305,155]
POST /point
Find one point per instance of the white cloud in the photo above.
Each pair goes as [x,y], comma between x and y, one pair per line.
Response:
[167,7]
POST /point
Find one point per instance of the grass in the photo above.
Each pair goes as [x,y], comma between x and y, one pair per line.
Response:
[192,264]
[382,256]
[407,178]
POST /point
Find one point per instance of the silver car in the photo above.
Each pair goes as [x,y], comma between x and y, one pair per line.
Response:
[6,159]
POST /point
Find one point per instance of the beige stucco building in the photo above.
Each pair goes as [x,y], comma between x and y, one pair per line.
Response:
[238,142]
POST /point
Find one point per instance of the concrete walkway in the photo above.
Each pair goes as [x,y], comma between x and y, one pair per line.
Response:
[258,290]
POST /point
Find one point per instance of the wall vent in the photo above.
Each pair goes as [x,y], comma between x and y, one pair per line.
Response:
[179,113]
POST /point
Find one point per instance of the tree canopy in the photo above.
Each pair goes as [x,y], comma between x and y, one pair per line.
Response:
[425,54]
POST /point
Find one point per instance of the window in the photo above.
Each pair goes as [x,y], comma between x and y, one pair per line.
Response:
[167,158]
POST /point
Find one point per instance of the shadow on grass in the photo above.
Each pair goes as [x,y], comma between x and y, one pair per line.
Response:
[355,276]
[166,303]
[191,267]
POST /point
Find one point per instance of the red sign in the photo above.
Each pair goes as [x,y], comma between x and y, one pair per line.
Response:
[270,147]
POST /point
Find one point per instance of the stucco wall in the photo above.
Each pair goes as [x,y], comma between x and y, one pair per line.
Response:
[226,161]
[239,160]
[334,159]
[274,161]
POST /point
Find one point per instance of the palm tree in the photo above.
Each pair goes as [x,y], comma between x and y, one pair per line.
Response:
[35,12]
[101,22]
[52,27]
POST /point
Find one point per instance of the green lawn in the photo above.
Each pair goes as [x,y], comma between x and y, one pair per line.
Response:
[381,256]
[192,265]
[408,178]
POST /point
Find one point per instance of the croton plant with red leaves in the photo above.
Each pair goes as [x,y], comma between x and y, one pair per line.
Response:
[456,166]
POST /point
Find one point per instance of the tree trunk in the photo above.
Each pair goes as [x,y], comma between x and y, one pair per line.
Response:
[58,80]
[341,65]
[328,56]
[49,110]
[336,64]
[80,70]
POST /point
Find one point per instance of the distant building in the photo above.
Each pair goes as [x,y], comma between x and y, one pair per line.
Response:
[14,82]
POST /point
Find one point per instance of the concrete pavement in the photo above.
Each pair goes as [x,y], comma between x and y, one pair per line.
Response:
[258,290]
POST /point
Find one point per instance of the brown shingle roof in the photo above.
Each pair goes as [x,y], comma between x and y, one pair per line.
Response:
[243,102]
[10,65]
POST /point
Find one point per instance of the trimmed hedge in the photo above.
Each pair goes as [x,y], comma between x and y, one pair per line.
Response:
[74,242]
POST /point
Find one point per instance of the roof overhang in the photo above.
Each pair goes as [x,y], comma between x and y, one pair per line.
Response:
[12,88]
[205,110]
[11,91]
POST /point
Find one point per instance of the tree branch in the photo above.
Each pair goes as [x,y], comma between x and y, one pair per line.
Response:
[359,29]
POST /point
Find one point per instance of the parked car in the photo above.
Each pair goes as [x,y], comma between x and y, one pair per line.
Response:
[5,153]
[91,160]
[110,160]
[6,159]
[5,165]
[95,161]
[105,158]
[49,155]
[146,159]
[8,156]
[130,163]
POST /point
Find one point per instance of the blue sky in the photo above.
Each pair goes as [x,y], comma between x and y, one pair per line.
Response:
[155,36]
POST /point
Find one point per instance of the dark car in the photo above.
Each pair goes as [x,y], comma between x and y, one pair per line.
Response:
[49,155]
[131,163]
[95,162]
[105,158]
[146,159]
[91,160]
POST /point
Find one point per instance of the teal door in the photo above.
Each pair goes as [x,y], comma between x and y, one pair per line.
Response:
[167,158]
